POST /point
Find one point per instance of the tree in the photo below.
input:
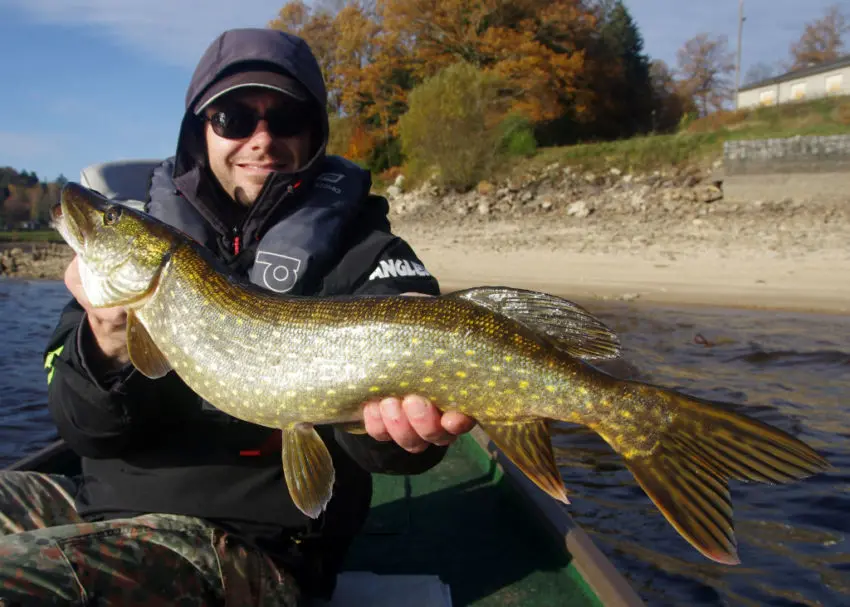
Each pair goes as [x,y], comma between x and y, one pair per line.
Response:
[622,75]
[669,103]
[758,72]
[704,68]
[822,40]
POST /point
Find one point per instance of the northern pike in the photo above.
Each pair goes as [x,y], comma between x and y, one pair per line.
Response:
[513,360]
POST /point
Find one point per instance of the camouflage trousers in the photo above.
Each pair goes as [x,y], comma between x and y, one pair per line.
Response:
[51,556]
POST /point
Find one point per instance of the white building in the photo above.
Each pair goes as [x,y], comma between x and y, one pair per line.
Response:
[825,79]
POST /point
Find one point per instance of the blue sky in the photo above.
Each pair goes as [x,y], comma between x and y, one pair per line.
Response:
[87,81]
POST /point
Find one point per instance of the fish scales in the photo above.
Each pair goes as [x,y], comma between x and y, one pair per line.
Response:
[282,355]
[514,360]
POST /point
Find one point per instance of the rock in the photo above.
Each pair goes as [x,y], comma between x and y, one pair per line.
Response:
[485,188]
[399,182]
[579,209]
[615,171]
[484,208]
[393,192]
[526,196]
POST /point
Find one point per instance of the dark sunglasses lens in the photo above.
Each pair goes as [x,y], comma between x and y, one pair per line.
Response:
[285,122]
[234,123]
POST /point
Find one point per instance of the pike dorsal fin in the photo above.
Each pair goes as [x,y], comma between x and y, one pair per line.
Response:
[144,353]
[568,326]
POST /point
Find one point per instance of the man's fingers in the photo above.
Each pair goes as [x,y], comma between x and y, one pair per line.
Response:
[424,418]
[399,428]
[374,423]
[456,423]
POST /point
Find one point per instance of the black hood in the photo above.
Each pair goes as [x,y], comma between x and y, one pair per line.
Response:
[255,47]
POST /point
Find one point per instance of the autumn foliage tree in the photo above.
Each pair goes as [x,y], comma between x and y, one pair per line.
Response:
[705,65]
[822,40]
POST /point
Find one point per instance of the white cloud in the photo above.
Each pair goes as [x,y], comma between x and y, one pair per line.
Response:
[175,31]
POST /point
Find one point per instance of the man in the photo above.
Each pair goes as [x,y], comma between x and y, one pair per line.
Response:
[180,503]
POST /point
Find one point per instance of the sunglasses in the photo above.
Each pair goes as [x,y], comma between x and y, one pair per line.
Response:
[240,121]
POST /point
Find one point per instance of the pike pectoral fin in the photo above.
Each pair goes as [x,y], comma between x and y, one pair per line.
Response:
[355,427]
[568,326]
[308,468]
[528,445]
[144,353]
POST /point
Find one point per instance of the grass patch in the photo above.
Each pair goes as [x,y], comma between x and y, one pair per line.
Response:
[702,141]
[31,236]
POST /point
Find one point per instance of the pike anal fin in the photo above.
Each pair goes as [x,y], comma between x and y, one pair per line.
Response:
[308,468]
[528,445]
[144,353]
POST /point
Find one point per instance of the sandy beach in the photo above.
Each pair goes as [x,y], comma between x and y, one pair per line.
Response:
[785,255]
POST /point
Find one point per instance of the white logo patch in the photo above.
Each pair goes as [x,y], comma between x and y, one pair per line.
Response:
[398,267]
[281,271]
[331,177]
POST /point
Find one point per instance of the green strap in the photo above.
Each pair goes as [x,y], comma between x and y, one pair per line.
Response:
[48,362]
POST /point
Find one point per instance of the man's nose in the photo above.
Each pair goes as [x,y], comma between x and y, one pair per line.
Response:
[261,134]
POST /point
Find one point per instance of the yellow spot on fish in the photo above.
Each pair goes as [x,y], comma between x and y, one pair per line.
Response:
[427,380]
[582,391]
[464,393]
[470,352]
[215,337]
[239,321]
[550,388]
[428,363]
[461,374]
[414,341]
[373,388]
[331,392]
[403,384]
[496,368]
[508,358]
[523,385]
[439,351]
[606,402]
[624,414]
[392,364]
[491,383]
[253,335]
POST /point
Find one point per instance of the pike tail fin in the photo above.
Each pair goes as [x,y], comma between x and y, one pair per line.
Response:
[705,445]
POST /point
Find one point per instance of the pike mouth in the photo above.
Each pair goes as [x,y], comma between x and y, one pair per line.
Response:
[71,219]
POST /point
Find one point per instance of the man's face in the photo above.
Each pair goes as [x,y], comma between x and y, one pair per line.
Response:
[241,165]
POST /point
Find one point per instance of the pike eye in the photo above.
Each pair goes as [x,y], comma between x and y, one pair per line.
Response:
[111,215]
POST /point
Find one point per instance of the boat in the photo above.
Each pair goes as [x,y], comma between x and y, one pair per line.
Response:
[473,530]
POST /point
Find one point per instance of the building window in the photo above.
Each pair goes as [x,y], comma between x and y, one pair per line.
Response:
[767,98]
[833,84]
[798,91]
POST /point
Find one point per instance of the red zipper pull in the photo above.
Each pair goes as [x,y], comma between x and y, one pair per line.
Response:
[236,242]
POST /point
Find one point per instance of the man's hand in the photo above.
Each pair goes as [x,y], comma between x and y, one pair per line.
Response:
[108,325]
[414,423]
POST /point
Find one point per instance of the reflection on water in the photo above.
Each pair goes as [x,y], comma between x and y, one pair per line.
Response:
[791,370]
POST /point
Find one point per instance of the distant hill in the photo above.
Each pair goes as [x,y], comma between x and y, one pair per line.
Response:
[25,200]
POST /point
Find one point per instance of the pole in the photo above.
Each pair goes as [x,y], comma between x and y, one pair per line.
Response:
[738,58]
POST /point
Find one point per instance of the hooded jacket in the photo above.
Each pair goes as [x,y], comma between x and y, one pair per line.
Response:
[155,446]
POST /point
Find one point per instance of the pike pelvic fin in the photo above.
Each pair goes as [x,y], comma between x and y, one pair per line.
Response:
[686,474]
[528,445]
[144,353]
[308,468]
[568,326]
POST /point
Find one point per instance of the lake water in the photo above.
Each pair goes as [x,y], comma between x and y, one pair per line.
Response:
[790,370]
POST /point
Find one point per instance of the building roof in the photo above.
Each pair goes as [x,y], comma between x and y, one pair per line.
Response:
[811,70]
